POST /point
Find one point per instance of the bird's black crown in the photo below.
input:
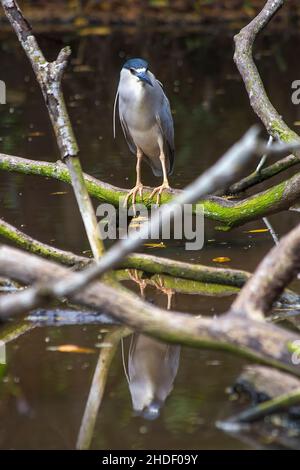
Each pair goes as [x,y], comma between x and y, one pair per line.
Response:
[135,64]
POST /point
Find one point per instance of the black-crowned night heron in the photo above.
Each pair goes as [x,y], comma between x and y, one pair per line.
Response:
[147,123]
[152,369]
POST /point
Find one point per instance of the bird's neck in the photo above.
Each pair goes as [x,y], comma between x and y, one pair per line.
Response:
[134,92]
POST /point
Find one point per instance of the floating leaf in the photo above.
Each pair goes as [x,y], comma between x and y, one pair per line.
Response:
[155,245]
[98,31]
[80,21]
[83,68]
[221,259]
[159,3]
[71,348]
[258,230]
[36,134]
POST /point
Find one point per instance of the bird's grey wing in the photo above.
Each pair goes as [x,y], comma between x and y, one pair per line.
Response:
[126,131]
[165,122]
[172,358]
[132,348]
[114,113]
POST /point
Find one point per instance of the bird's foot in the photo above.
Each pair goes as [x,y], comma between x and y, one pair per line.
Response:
[136,277]
[133,192]
[159,191]
[159,284]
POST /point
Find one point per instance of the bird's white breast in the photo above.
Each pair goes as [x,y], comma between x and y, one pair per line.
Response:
[140,105]
[138,102]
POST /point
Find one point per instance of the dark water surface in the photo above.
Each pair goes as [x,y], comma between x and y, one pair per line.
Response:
[43,392]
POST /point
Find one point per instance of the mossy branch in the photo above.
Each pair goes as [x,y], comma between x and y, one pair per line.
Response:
[226,213]
[195,278]
[177,275]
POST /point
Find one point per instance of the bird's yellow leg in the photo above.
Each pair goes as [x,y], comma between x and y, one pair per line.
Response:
[135,277]
[165,290]
[138,186]
[165,184]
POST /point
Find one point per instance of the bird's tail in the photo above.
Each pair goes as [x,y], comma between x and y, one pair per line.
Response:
[156,167]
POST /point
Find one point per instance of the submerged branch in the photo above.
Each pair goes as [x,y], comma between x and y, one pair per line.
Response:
[272,389]
[266,408]
[261,382]
[98,387]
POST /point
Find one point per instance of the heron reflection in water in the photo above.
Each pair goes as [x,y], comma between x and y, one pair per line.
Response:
[152,368]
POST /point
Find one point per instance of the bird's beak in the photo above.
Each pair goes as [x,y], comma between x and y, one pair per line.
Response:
[144,78]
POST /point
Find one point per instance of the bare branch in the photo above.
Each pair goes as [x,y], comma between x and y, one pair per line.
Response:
[259,100]
[98,387]
[49,75]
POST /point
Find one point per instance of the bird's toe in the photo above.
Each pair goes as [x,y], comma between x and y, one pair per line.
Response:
[133,192]
[158,191]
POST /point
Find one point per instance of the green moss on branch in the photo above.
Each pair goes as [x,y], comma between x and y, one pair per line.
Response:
[202,279]
[182,286]
[226,213]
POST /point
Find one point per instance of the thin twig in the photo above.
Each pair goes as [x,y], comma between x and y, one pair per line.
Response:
[271,230]
[264,174]
[264,157]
